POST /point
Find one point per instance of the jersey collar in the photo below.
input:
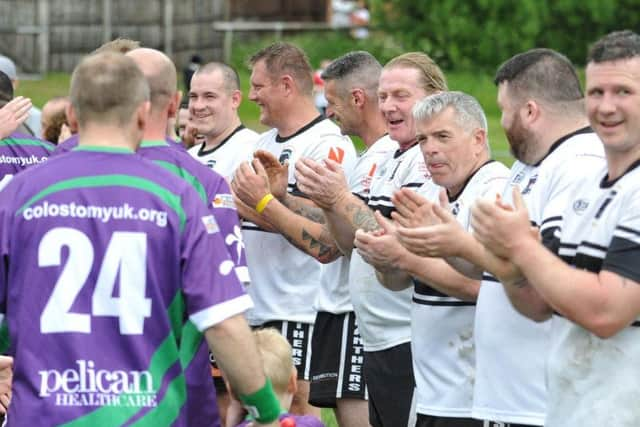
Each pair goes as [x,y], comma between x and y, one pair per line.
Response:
[103,149]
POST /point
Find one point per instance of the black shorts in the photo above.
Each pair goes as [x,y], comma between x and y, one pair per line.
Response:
[501,424]
[432,421]
[299,336]
[390,382]
[338,357]
[218,381]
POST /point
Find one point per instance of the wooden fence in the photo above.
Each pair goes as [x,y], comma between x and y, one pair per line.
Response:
[52,35]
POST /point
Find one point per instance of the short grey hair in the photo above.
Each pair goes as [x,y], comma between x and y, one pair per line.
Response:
[358,69]
[469,112]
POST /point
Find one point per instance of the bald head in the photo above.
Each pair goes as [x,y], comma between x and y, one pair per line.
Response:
[160,73]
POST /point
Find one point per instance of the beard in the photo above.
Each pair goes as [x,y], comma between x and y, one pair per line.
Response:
[521,141]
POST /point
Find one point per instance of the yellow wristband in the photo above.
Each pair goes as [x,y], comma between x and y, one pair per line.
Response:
[262,204]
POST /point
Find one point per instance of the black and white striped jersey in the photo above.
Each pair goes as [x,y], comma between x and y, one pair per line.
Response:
[383,315]
[511,350]
[285,280]
[592,381]
[333,294]
[442,326]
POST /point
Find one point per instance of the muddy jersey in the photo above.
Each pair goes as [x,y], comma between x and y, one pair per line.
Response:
[333,295]
[510,381]
[227,156]
[384,315]
[19,151]
[105,256]
[593,381]
[442,326]
[285,280]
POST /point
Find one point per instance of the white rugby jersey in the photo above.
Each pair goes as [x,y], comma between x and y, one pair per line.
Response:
[227,156]
[333,295]
[285,280]
[592,381]
[511,350]
[384,315]
[442,326]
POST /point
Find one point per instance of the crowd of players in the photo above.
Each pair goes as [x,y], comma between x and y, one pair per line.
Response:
[419,283]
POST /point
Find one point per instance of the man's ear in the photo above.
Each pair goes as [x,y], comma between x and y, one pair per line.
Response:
[358,97]
[174,104]
[72,119]
[292,387]
[288,83]
[142,114]
[236,99]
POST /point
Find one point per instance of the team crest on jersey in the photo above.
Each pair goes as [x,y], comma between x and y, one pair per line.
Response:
[211,163]
[455,209]
[580,205]
[210,224]
[530,184]
[518,178]
[286,155]
[223,201]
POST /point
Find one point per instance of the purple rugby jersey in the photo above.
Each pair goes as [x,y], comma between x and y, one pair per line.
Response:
[19,151]
[107,254]
[214,192]
[212,188]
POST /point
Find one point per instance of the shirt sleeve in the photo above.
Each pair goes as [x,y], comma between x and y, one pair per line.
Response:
[623,252]
[559,192]
[212,291]
[224,210]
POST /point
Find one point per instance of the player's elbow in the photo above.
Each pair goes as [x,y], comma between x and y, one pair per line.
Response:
[328,257]
[604,326]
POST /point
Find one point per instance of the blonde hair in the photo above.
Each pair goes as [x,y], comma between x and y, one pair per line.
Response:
[118,45]
[431,77]
[277,359]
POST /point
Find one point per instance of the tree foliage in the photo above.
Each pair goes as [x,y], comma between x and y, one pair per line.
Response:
[483,33]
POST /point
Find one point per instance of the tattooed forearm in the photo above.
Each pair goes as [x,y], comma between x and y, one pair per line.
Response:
[306,210]
[323,248]
[362,217]
[325,252]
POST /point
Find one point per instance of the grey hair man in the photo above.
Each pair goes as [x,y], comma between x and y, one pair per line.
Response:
[543,117]
[451,129]
[383,315]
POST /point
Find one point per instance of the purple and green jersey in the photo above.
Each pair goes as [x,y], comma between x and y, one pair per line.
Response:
[106,257]
[215,193]
[20,151]
[212,188]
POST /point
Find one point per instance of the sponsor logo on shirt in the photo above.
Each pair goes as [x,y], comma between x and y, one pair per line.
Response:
[336,154]
[210,224]
[22,161]
[102,213]
[223,201]
[86,385]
